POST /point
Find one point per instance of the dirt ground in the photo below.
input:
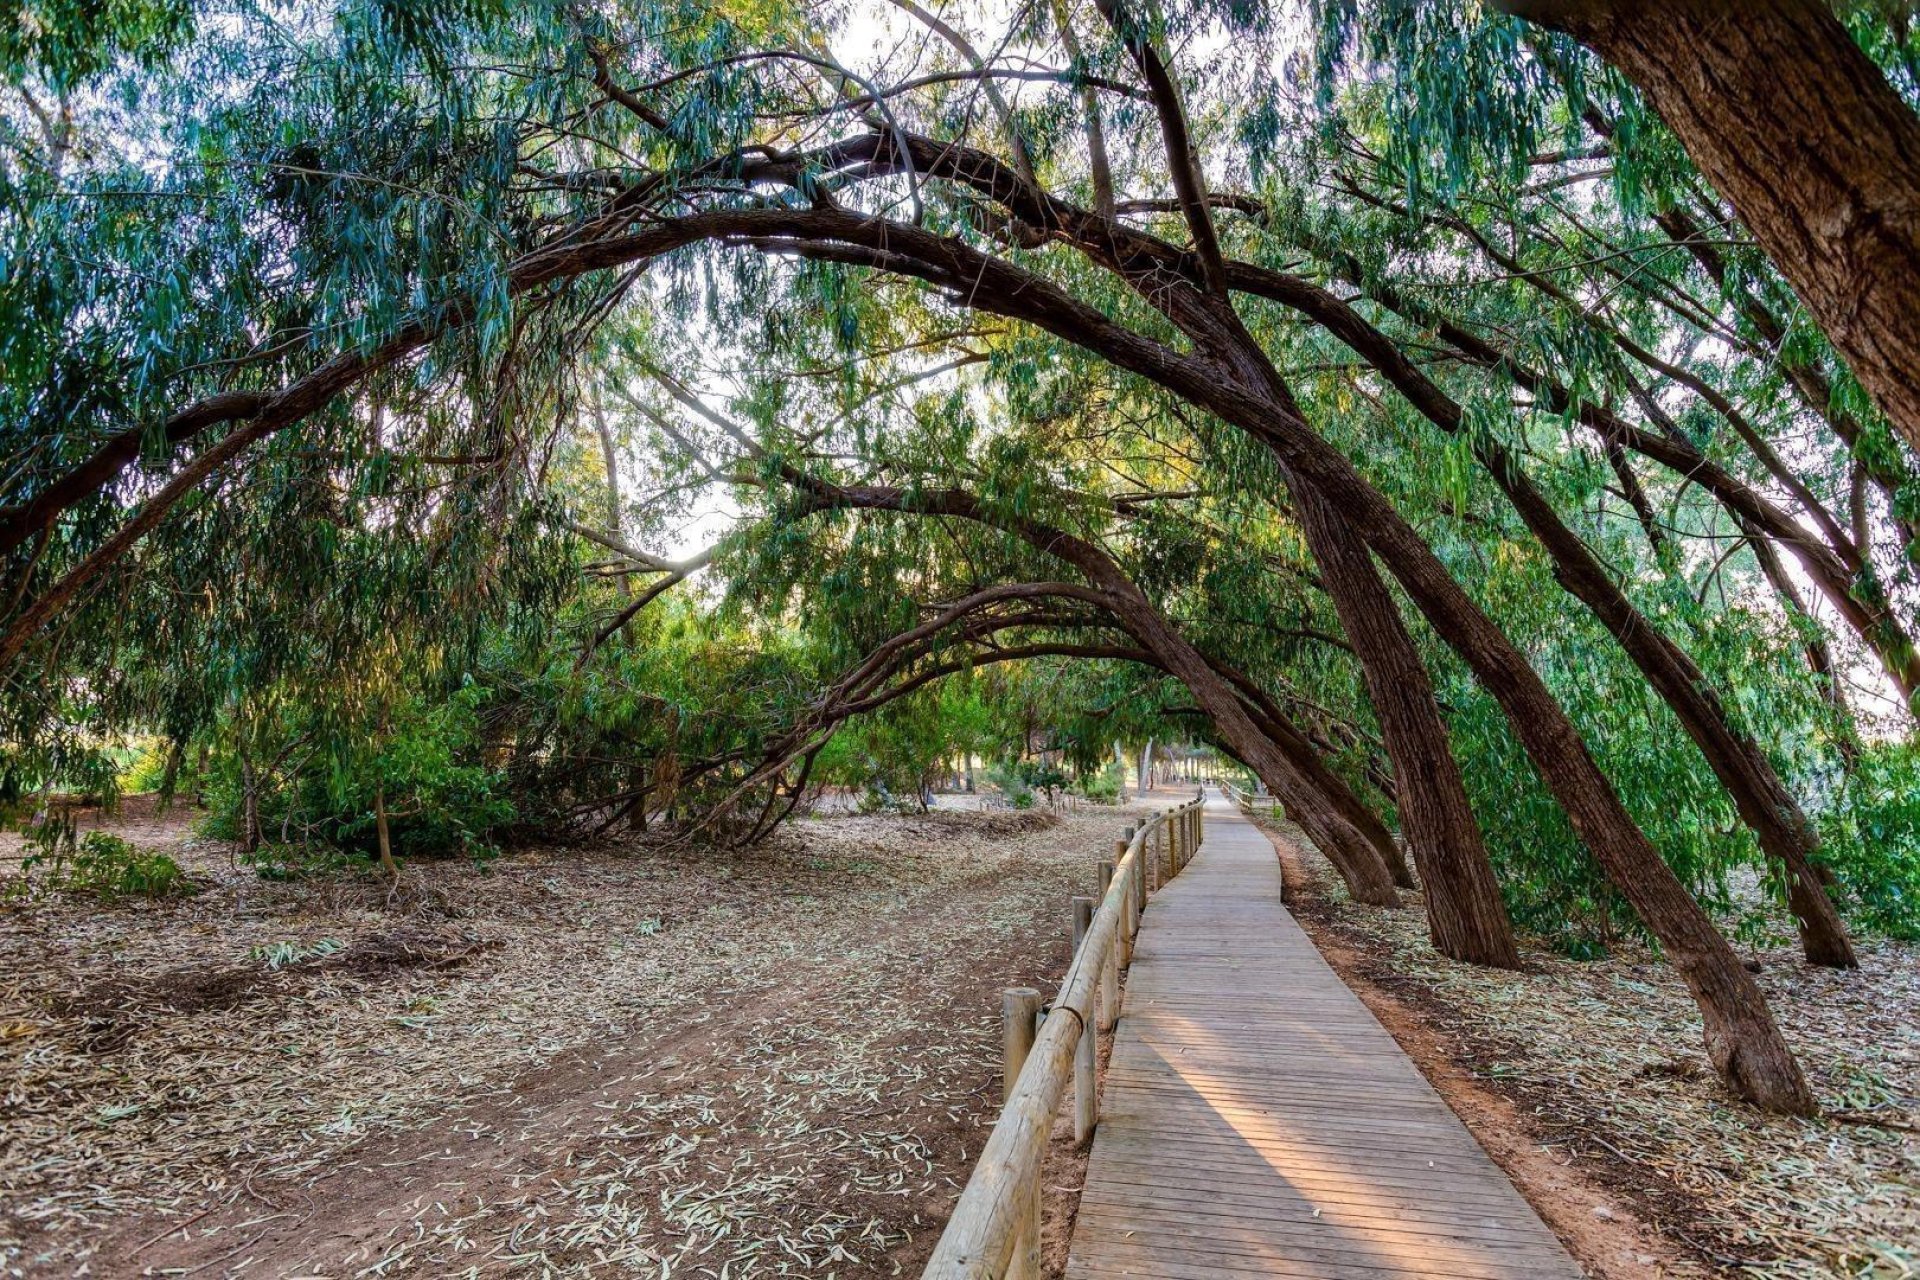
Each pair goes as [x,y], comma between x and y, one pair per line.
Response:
[626,1061]
[1588,1083]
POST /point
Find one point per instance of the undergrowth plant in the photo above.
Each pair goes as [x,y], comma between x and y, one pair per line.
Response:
[98,865]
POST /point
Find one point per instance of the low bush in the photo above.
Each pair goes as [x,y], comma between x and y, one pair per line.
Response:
[99,865]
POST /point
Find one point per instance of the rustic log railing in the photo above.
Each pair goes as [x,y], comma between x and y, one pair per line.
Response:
[994,1233]
[1245,800]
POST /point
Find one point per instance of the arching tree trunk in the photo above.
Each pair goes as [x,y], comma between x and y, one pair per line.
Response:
[1352,853]
[1307,758]
[1465,914]
[1803,135]
[1761,798]
[1358,862]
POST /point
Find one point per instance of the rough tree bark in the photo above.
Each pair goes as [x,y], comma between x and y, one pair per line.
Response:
[1465,913]
[1802,134]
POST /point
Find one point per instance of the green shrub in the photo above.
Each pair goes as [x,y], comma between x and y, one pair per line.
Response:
[1102,785]
[101,866]
[1007,779]
[315,782]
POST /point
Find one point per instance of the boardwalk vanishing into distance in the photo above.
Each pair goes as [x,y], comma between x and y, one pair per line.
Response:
[1257,1120]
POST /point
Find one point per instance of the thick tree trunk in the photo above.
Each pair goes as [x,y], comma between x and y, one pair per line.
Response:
[1465,913]
[1806,139]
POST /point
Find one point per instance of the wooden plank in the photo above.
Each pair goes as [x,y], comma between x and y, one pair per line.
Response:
[1257,1120]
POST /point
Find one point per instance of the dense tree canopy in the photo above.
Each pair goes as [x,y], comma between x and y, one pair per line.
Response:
[445,417]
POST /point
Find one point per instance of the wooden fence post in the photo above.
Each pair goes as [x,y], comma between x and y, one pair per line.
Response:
[1019,1006]
[1139,879]
[1086,1106]
[1110,971]
[1019,1011]
[1130,920]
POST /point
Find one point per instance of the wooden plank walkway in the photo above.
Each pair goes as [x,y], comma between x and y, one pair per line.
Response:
[1257,1120]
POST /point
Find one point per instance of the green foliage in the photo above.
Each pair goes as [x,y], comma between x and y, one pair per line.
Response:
[1005,777]
[67,42]
[1872,836]
[313,779]
[99,865]
[1102,785]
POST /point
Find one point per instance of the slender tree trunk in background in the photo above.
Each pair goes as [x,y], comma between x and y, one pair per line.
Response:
[1819,654]
[249,803]
[387,864]
[1801,133]
[610,459]
[1465,913]
[380,829]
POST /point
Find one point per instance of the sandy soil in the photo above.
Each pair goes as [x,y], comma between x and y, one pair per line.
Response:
[1588,1083]
[630,1061]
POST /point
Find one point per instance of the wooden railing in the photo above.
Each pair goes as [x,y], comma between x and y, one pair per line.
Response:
[994,1232]
[1245,800]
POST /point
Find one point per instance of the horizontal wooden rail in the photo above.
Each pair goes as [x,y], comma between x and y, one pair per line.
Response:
[994,1231]
[1245,800]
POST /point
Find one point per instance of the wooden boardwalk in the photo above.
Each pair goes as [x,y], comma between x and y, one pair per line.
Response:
[1257,1120]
